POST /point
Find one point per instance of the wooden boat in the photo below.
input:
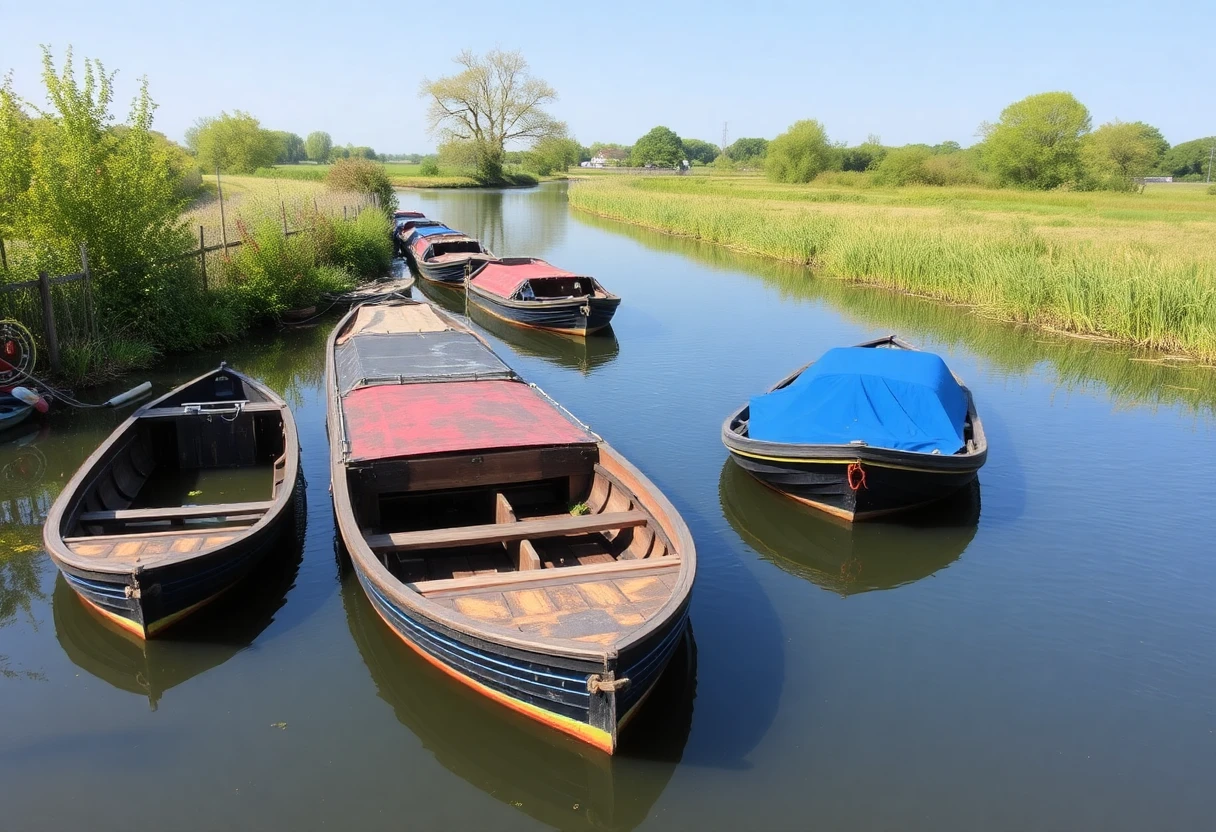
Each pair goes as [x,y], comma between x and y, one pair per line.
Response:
[842,557]
[404,223]
[538,772]
[138,532]
[575,353]
[856,479]
[529,292]
[458,490]
[13,411]
[442,256]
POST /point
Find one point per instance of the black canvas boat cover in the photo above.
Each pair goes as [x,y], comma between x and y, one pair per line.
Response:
[447,355]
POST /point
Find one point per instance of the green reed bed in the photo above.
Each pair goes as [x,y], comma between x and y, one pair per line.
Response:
[1097,277]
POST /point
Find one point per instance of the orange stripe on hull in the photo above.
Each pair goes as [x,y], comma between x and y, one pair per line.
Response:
[574,332]
[147,631]
[579,730]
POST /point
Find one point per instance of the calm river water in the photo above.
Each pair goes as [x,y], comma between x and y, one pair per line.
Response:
[1044,657]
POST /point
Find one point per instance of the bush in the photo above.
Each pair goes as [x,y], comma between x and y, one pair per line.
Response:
[800,153]
[308,173]
[1211,190]
[362,247]
[903,166]
[429,167]
[272,273]
[365,177]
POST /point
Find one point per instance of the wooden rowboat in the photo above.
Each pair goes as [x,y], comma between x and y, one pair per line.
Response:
[441,255]
[528,292]
[859,480]
[499,538]
[142,531]
[13,411]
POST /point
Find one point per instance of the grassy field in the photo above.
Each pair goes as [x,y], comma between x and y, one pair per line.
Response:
[402,175]
[248,199]
[1139,268]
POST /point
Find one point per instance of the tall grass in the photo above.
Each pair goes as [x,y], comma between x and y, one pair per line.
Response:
[1117,278]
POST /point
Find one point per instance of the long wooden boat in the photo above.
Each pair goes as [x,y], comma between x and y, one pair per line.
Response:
[503,541]
[138,531]
[441,256]
[404,224]
[529,292]
[582,354]
[856,479]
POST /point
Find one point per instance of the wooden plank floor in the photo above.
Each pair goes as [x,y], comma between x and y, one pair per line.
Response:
[153,547]
[589,610]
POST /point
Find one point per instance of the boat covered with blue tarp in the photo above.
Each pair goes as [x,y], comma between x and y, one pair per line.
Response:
[862,432]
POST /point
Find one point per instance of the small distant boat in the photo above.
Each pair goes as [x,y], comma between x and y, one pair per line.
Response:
[529,292]
[404,223]
[863,432]
[500,539]
[133,531]
[442,255]
[13,411]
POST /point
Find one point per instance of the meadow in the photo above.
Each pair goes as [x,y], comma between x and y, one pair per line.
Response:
[401,174]
[1134,267]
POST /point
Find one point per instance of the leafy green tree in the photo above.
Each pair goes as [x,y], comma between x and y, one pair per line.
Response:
[490,103]
[617,153]
[552,153]
[233,143]
[361,153]
[1119,151]
[696,150]
[1037,142]
[746,150]
[864,156]
[800,153]
[946,148]
[291,148]
[16,145]
[1189,160]
[317,146]
[661,147]
[365,177]
[903,165]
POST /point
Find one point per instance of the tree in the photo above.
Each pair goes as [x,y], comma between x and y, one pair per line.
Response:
[746,150]
[946,148]
[361,153]
[660,147]
[16,145]
[233,143]
[617,153]
[491,102]
[903,165]
[696,150]
[363,176]
[1189,160]
[1121,151]
[291,148]
[1037,142]
[552,153]
[800,153]
[864,156]
[317,146]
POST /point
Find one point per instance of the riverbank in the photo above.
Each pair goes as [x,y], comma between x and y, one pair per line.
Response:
[1138,268]
[404,175]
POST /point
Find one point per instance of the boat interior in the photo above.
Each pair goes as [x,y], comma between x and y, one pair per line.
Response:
[556,288]
[441,248]
[209,459]
[548,542]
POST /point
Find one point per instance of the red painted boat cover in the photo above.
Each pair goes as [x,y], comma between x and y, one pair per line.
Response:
[396,420]
[411,214]
[504,279]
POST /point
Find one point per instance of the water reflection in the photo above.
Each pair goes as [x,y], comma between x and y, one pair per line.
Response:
[511,223]
[207,639]
[847,558]
[554,779]
[1128,376]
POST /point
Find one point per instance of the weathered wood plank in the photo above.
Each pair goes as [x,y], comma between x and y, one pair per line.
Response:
[176,512]
[504,532]
[540,577]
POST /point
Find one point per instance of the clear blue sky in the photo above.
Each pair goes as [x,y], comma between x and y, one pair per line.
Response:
[909,72]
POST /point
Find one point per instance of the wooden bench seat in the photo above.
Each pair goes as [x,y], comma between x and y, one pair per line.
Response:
[507,532]
[543,577]
[176,512]
[212,408]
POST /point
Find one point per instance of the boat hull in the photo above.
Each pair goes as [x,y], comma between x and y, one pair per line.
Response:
[580,316]
[149,601]
[450,273]
[549,689]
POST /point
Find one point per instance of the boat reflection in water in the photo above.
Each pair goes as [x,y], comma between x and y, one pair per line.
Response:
[557,780]
[842,557]
[582,353]
[206,640]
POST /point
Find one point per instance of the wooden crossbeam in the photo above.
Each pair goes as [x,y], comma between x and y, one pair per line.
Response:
[506,532]
[176,512]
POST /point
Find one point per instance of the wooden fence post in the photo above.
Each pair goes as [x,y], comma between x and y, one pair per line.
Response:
[90,310]
[48,321]
[343,213]
[223,222]
[3,256]
[283,208]
[202,256]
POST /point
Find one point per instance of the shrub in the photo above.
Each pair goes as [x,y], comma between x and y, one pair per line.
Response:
[800,153]
[272,273]
[429,167]
[365,177]
[903,166]
[363,247]
[1211,190]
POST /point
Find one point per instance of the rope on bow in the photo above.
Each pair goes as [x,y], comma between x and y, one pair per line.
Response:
[597,683]
[857,476]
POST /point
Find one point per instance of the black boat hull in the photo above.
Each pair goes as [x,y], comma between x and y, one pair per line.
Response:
[578,316]
[449,274]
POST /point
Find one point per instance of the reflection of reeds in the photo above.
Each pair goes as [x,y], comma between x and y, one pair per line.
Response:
[1113,274]
[1129,377]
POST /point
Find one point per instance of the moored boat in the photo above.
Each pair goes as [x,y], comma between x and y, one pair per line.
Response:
[529,292]
[499,538]
[863,432]
[403,229]
[145,531]
[443,256]
[13,411]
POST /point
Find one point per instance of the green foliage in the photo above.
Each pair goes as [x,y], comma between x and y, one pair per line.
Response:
[551,154]
[1118,152]
[272,273]
[291,148]
[616,154]
[234,143]
[946,148]
[746,151]
[903,166]
[696,150]
[800,153]
[318,145]
[363,247]
[1189,159]
[305,173]
[1211,190]
[660,147]
[429,167]
[865,156]
[1038,141]
[364,177]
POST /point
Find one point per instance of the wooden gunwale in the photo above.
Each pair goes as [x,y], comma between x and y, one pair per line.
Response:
[91,468]
[667,520]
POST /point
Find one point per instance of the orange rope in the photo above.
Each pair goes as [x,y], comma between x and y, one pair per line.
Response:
[857,476]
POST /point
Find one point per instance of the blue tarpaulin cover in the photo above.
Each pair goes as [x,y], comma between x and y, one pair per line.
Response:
[432,230]
[887,398]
